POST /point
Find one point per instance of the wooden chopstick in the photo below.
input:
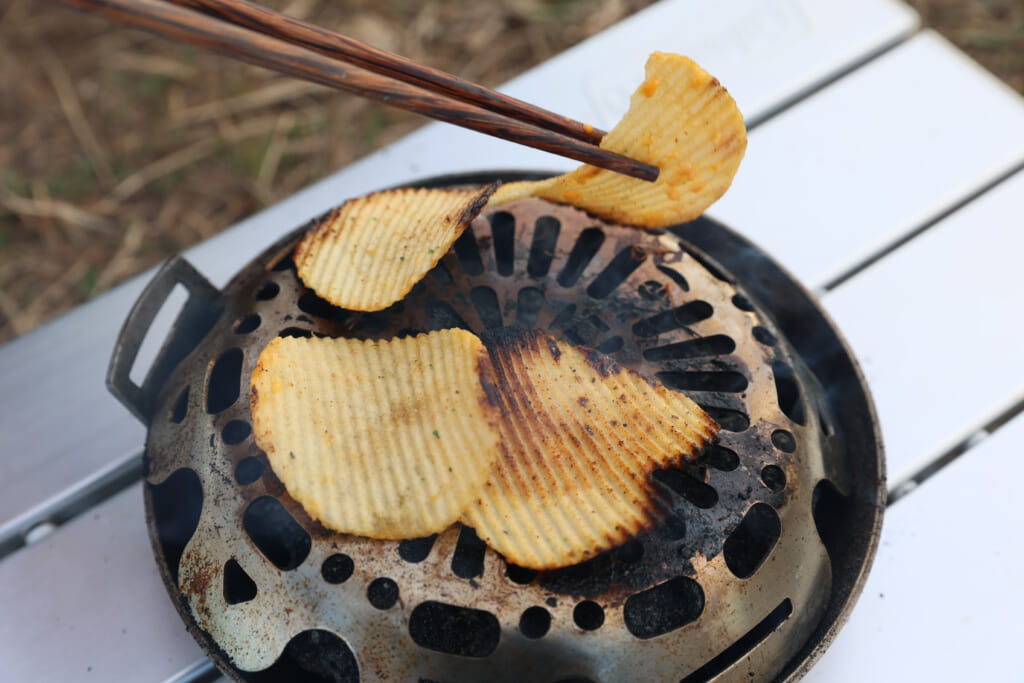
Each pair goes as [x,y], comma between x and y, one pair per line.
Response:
[220,36]
[264,20]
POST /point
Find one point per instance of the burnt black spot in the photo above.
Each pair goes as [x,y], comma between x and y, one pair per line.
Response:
[553,348]
[491,392]
[604,365]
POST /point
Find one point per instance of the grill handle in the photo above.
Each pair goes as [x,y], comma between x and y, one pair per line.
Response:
[198,315]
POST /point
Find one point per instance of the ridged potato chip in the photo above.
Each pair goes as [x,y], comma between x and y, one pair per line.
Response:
[580,438]
[386,439]
[368,253]
[682,121]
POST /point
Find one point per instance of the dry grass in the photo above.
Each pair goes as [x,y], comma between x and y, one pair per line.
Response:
[118,149]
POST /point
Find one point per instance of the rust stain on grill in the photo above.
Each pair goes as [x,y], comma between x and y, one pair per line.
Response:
[197,586]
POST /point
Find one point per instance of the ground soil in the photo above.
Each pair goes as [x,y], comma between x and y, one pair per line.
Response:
[118,149]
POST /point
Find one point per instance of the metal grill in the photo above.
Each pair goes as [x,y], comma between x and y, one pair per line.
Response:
[731,585]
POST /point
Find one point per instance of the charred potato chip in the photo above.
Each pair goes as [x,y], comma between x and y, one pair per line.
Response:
[368,253]
[682,121]
[386,439]
[580,438]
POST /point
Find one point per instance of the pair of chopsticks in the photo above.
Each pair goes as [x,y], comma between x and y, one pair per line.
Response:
[257,35]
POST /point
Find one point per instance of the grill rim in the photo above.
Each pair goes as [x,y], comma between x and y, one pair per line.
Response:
[803,321]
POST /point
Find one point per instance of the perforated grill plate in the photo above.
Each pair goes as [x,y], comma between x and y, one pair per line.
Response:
[729,586]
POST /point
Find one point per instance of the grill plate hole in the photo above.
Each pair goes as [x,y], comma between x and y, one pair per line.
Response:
[588,615]
[728,419]
[715,345]
[371,325]
[684,484]
[320,308]
[542,248]
[468,558]
[743,303]
[225,381]
[763,336]
[621,267]
[416,549]
[249,470]
[789,392]
[485,300]
[382,593]
[784,440]
[314,656]
[180,407]
[268,291]
[673,319]
[744,645]
[748,546]
[235,432]
[676,277]
[520,575]
[177,504]
[529,303]
[441,275]
[773,477]
[831,511]
[663,608]
[586,247]
[248,324]
[454,630]
[337,568]
[285,263]
[503,229]
[238,586]
[298,333]
[721,458]
[535,622]
[468,253]
[276,533]
[726,381]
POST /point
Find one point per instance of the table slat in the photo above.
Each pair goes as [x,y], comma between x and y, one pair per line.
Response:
[943,601]
[937,328]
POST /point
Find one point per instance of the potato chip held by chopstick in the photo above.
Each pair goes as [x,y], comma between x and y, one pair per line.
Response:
[386,439]
[369,252]
[681,120]
[580,438]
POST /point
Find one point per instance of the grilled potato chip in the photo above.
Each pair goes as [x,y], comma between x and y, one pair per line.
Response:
[368,253]
[580,438]
[389,439]
[682,121]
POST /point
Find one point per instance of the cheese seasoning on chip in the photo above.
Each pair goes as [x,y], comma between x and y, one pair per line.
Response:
[386,439]
[368,253]
[580,438]
[681,120]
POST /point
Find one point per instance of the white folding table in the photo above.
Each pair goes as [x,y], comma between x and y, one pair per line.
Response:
[884,169]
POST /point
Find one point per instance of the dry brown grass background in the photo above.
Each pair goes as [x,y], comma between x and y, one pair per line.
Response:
[118,149]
